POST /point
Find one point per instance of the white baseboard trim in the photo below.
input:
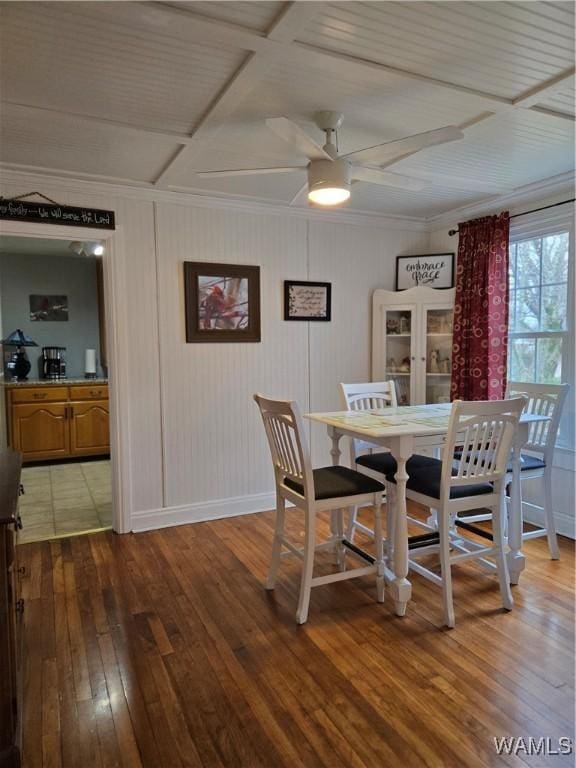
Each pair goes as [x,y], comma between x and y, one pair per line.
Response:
[565,523]
[166,517]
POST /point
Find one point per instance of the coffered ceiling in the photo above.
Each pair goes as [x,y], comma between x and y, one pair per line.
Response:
[151,93]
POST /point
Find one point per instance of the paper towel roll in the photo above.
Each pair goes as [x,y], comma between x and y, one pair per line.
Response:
[90,361]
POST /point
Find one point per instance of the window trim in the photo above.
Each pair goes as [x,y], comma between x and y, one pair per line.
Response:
[539,225]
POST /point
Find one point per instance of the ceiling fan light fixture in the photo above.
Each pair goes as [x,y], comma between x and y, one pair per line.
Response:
[328,182]
[329,195]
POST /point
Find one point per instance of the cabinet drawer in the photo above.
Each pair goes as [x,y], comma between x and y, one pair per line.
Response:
[94,392]
[38,394]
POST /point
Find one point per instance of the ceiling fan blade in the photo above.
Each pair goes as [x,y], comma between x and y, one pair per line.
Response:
[387,178]
[294,135]
[391,150]
[250,171]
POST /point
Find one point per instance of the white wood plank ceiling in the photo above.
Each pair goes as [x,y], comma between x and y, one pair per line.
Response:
[151,93]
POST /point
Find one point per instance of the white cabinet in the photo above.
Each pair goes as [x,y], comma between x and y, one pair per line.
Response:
[412,342]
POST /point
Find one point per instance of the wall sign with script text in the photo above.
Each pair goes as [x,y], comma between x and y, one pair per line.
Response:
[72,216]
[434,270]
[306,301]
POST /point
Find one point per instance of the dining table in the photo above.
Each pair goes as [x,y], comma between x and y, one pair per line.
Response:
[402,430]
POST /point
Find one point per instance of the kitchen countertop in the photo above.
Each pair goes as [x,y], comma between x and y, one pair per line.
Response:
[49,383]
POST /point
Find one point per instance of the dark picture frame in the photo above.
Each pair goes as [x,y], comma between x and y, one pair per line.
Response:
[222,302]
[48,308]
[433,270]
[306,300]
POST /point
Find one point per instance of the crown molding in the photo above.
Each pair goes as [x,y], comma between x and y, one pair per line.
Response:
[70,183]
[143,191]
[538,191]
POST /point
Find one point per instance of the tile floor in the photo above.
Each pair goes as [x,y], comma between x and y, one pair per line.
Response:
[63,499]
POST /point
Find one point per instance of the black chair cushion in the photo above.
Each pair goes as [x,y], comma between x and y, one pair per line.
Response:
[332,482]
[426,480]
[527,462]
[385,463]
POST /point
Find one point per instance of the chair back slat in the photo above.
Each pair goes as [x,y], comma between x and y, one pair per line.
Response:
[369,396]
[288,447]
[479,440]
[542,400]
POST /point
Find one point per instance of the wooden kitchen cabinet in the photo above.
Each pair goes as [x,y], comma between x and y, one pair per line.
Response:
[41,431]
[58,421]
[89,428]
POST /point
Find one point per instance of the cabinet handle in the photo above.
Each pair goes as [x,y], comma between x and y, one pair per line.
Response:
[95,392]
[21,490]
[19,607]
[18,523]
[22,570]
[39,395]
[423,359]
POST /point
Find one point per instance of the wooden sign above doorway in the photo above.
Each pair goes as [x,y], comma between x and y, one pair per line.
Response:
[73,216]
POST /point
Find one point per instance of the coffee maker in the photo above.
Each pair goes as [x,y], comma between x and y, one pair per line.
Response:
[53,363]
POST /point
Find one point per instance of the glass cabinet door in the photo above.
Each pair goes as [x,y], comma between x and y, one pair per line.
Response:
[438,354]
[399,355]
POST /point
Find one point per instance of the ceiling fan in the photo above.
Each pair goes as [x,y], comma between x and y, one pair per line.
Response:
[330,174]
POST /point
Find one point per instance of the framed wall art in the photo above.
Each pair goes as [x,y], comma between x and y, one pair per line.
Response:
[307,300]
[48,308]
[222,302]
[434,270]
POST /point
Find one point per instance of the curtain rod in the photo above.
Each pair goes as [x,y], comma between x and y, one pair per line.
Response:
[525,213]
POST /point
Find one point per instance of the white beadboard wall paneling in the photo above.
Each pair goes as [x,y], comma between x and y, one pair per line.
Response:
[356,261]
[214,442]
[501,48]
[134,247]
[81,59]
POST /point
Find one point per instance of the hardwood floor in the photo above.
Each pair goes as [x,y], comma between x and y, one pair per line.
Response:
[163,650]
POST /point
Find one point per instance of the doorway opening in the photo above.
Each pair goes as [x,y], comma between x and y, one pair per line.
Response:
[55,393]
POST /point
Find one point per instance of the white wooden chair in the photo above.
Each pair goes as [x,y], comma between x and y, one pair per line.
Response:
[459,482]
[324,489]
[366,397]
[536,459]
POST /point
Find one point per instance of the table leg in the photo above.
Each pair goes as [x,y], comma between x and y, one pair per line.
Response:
[515,557]
[335,452]
[401,589]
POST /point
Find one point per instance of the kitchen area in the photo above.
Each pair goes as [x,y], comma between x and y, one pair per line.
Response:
[55,408]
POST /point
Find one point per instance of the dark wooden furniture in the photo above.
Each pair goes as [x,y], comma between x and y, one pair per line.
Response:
[58,421]
[10,611]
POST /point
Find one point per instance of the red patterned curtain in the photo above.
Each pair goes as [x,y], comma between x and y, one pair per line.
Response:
[480,342]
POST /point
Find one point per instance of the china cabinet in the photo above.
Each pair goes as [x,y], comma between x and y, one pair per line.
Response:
[412,343]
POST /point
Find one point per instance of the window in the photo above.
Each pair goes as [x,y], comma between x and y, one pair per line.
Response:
[538,308]
[541,322]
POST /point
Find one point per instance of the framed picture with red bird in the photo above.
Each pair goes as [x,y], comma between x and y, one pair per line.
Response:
[222,302]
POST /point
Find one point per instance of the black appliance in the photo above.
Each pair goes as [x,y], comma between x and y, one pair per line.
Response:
[53,363]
